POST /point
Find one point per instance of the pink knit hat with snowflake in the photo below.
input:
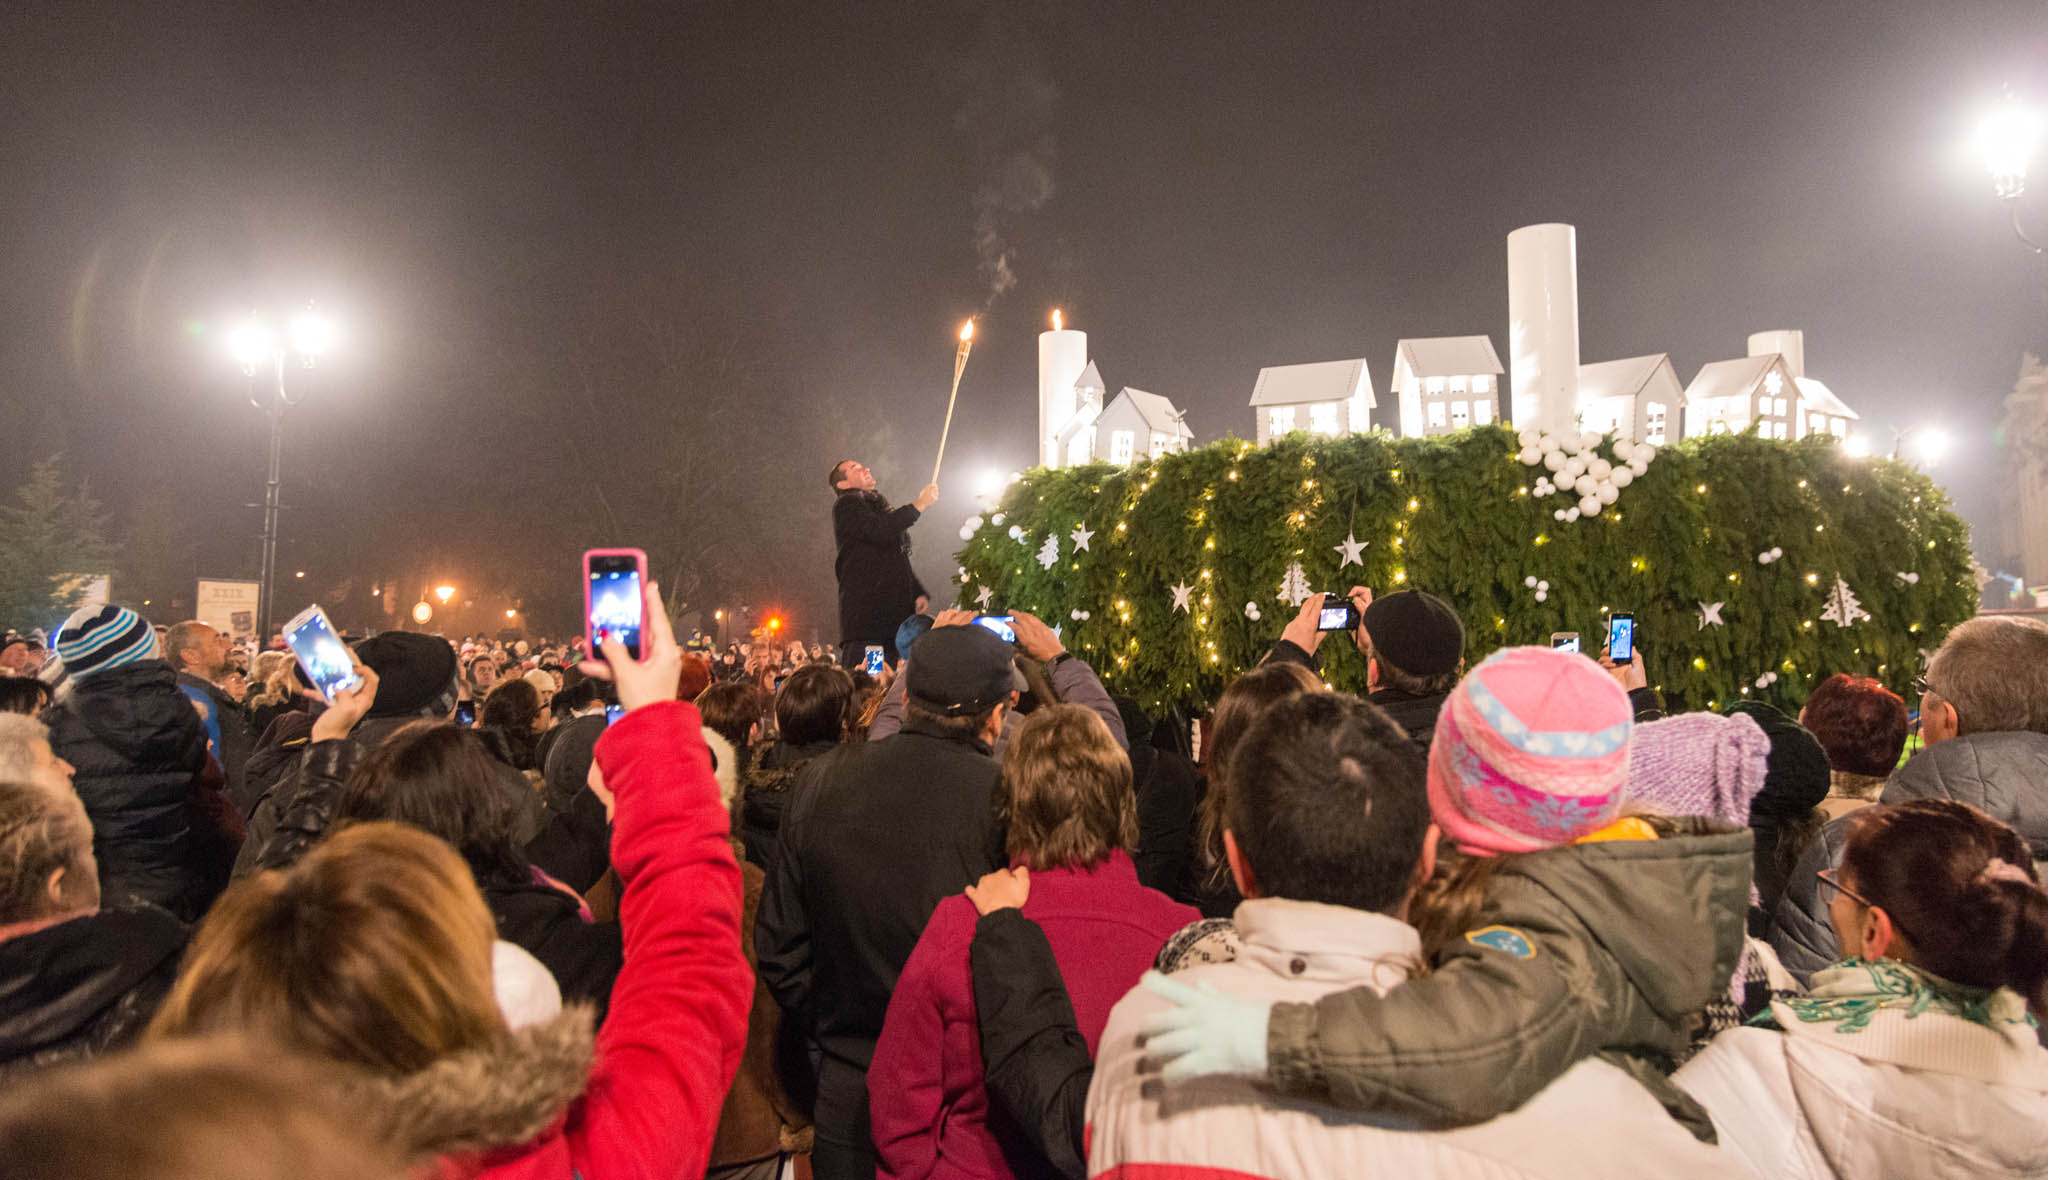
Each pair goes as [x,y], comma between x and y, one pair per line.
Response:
[1531,751]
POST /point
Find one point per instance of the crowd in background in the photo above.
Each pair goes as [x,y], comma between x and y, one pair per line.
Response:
[521,909]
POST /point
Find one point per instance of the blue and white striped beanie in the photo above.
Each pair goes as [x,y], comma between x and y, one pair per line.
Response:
[96,638]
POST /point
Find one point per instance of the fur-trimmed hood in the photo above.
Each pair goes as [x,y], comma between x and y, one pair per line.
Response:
[500,1096]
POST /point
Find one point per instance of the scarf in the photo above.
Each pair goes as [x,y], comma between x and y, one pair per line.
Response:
[1850,993]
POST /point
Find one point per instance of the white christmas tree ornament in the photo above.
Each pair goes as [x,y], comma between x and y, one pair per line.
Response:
[1294,585]
[1081,537]
[1710,615]
[1049,553]
[1843,608]
[1349,550]
[1181,590]
[983,597]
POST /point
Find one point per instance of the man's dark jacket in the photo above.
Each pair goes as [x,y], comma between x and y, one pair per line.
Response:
[878,590]
[137,746]
[874,837]
[236,738]
[768,772]
[83,986]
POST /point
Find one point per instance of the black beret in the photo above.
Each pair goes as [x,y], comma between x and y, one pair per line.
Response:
[1415,632]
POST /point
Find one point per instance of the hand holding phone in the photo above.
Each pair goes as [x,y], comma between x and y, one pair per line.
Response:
[614,604]
[1565,640]
[1001,624]
[329,665]
[1621,636]
[871,660]
[651,677]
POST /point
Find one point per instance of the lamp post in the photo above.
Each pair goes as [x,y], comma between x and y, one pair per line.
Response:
[309,337]
[2007,139]
[1929,442]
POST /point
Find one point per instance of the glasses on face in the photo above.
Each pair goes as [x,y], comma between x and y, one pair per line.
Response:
[1832,879]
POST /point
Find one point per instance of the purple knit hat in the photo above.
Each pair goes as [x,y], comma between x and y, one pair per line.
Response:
[1531,751]
[1699,764]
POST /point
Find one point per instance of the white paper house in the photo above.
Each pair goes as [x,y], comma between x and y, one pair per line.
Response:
[1136,425]
[1639,398]
[1822,412]
[1446,383]
[1077,441]
[1732,396]
[1326,397]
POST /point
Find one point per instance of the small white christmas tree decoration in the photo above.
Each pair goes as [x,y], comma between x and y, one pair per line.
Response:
[1049,553]
[983,597]
[1181,590]
[1909,579]
[1080,537]
[1710,615]
[1294,585]
[1349,550]
[1843,608]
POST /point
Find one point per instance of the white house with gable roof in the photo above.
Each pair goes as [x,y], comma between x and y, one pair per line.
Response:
[1325,397]
[1137,424]
[1639,398]
[1768,389]
[1446,383]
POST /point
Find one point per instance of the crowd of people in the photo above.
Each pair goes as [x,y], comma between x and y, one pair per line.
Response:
[517,910]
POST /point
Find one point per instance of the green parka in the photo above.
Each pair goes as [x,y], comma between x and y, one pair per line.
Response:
[1607,948]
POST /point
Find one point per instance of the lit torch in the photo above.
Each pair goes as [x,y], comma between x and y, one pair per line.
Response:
[960,362]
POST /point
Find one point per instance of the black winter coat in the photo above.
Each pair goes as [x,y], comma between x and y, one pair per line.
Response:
[78,988]
[873,838]
[878,589]
[137,746]
[767,774]
[1035,1062]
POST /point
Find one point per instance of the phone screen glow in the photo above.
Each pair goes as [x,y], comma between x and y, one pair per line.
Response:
[1621,639]
[324,656]
[615,600]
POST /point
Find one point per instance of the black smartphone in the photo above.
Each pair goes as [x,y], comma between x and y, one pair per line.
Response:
[1001,624]
[466,714]
[1621,636]
[1565,640]
[1339,613]
[613,605]
[613,713]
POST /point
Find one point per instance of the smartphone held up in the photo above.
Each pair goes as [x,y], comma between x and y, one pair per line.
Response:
[326,659]
[614,599]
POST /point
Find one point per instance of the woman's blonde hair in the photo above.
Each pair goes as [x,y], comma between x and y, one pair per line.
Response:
[1067,791]
[272,674]
[375,951]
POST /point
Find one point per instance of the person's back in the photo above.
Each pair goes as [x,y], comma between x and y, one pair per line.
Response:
[1329,843]
[874,836]
[137,745]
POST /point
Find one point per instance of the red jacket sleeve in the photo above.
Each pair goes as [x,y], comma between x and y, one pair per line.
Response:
[678,1019]
[907,1097]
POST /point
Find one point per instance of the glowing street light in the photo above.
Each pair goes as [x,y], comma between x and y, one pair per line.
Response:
[444,593]
[422,613]
[1857,446]
[511,612]
[254,345]
[2007,140]
[1930,444]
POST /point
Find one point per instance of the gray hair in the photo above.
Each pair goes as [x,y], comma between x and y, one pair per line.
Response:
[42,830]
[1994,670]
[180,636]
[18,732]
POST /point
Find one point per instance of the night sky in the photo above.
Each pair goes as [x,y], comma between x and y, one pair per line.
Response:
[637,273]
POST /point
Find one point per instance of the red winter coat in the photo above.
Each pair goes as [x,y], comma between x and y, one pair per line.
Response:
[678,1019]
[929,1111]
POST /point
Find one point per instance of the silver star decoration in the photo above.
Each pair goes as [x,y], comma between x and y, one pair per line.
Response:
[1181,591]
[983,596]
[1080,536]
[1350,549]
[1710,615]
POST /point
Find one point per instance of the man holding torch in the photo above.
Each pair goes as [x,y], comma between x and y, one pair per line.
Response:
[878,589]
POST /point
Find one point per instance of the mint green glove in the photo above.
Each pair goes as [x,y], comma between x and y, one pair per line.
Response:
[1205,1032]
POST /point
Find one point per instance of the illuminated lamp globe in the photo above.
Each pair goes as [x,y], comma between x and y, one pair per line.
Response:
[422,612]
[312,335]
[2006,141]
[1930,445]
[444,593]
[251,343]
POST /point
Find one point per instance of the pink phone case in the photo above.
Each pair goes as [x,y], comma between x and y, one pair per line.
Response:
[640,563]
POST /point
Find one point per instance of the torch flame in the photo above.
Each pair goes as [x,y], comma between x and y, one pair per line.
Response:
[967,330]
[1056,319]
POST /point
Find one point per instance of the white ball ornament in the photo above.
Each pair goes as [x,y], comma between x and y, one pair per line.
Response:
[1017,532]
[967,533]
[1589,505]
[1541,595]
[1586,484]
[1529,437]
[1639,464]
[1606,493]
[1574,468]
[1621,477]
[1548,443]
[1600,468]
[1777,553]
[996,519]
[1531,581]
[1589,441]
[1529,456]
[1572,514]
[1544,586]
[1553,461]
[1624,450]
[1558,514]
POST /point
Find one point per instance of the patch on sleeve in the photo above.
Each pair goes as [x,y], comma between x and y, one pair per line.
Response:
[1505,939]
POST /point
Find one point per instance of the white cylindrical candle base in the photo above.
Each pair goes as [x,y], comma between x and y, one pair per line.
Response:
[1063,354]
[1543,327]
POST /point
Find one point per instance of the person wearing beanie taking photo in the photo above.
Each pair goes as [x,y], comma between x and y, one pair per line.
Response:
[1415,648]
[1548,947]
[139,749]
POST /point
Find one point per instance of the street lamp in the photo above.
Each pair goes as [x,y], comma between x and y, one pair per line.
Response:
[444,593]
[2007,139]
[309,337]
[1930,442]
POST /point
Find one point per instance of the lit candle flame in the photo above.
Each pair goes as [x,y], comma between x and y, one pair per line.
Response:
[967,331]
[1056,319]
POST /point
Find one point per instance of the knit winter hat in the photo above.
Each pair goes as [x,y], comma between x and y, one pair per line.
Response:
[1531,751]
[1698,764]
[1415,632]
[96,638]
[1796,772]
[415,674]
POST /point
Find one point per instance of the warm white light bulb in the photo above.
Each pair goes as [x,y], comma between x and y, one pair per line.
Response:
[250,343]
[312,335]
[1857,446]
[2007,139]
[1930,445]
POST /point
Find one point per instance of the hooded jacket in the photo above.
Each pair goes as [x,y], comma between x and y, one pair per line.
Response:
[2000,774]
[1587,948]
[83,986]
[767,772]
[1931,1095]
[138,747]
[639,1102]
